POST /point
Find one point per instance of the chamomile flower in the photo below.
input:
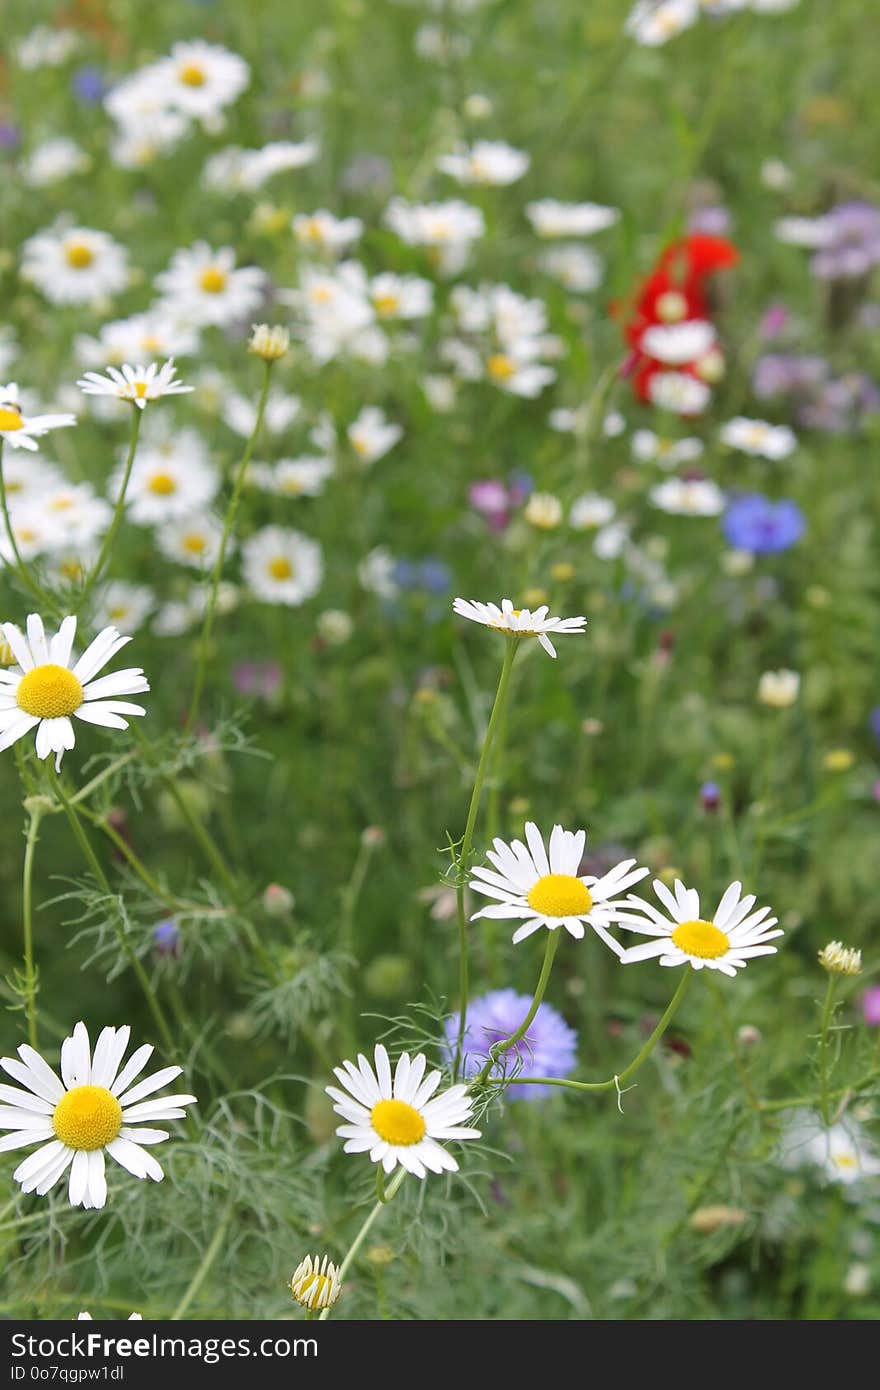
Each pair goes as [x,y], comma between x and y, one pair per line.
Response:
[491,162]
[315,1283]
[449,229]
[401,296]
[688,497]
[21,431]
[47,690]
[678,343]
[324,232]
[758,438]
[192,540]
[198,79]
[550,218]
[153,334]
[74,265]
[125,605]
[679,392]
[541,886]
[655,22]
[649,447]
[136,384]
[240,413]
[281,565]
[396,1120]
[167,485]
[96,1107]
[727,941]
[302,477]
[371,435]
[519,622]
[205,287]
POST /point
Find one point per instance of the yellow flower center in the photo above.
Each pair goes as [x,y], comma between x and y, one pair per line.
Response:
[49,692]
[88,1117]
[386,304]
[195,544]
[500,367]
[212,280]
[846,1161]
[311,230]
[560,895]
[10,418]
[79,256]
[281,568]
[151,344]
[397,1123]
[62,503]
[163,484]
[671,307]
[313,1291]
[192,75]
[702,939]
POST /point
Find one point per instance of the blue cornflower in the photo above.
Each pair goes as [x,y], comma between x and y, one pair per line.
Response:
[548,1049]
[752,522]
[88,84]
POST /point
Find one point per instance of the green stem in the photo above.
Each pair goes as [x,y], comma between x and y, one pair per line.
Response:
[727,1030]
[130,857]
[390,1191]
[20,567]
[462,860]
[110,537]
[824,1078]
[86,790]
[350,895]
[203,1270]
[30,978]
[495,1051]
[94,864]
[614,1082]
[228,523]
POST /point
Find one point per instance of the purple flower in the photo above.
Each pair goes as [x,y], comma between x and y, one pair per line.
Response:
[874,722]
[261,679]
[710,796]
[851,244]
[10,136]
[548,1049]
[871,1006]
[752,522]
[786,374]
[839,405]
[710,221]
[166,938]
[88,84]
[773,322]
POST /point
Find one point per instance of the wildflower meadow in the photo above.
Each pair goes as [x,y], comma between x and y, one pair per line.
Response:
[439,705]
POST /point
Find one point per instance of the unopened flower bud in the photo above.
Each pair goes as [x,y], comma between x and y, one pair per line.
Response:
[270,343]
[838,959]
[278,901]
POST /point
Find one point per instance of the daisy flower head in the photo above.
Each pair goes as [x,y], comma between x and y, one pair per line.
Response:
[491,162]
[74,265]
[758,438]
[399,1120]
[205,287]
[167,484]
[519,622]
[315,1283]
[96,1107]
[19,430]
[136,384]
[47,690]
[726,941]
[192,540]
[281,565]
[540,885]
[198,79]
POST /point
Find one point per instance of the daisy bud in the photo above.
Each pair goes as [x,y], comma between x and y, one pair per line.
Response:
[278,901]
[544,511]
[379,1255]
[315,1284]
[838,959]
[748,1035]
[477,107]
[335,627]
[270,343]
[715,1218]
[373,837]
[779,689]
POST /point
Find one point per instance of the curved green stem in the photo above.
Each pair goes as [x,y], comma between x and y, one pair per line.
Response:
[204,1268]
[495,1051]
[94,864]
[19,566]
[110,537]
[389,1192]
[30,979]
[216,573]
[463,857]
[614,1082]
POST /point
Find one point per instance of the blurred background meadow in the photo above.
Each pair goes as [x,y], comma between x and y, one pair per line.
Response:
[282,865]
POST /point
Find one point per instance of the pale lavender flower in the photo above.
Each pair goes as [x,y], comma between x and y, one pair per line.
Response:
[851,244]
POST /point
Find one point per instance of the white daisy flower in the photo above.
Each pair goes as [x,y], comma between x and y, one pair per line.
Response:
[240,412]
[324,232]
[649,447]
[47,690]
[199,79]
[678,343]
[842,1152]
[93,1109]
[165,486]
[401,296]
[679,392]
[727,941]
[28,479]
[655,22]
[132,1317]
[204,287]
[491,162]
[153,334]
[19,430]
[35,530]
[811,232]
[303,477]
[136,384]
[53,161]
[74,265]
[281,565]
[125,606]
[516,371]
[192,540]
[47,47]
[758,438]
[315,1283]
[449,229]
[550,218]
[518,622]
[542,886]
[371,435]
[396,1120]
[235,170]
[589,511]
[688,497]
[576,268]
[80,514]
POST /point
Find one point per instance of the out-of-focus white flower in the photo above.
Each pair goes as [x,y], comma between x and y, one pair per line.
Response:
[779,689]
[550,218]
[485,162]
[54,161]
[74,265]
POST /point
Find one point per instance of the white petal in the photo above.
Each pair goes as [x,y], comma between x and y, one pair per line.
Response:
[97,1183]
[134,1159]
[133,1067]
[79,1178]
[148,1085]
[39,1067]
